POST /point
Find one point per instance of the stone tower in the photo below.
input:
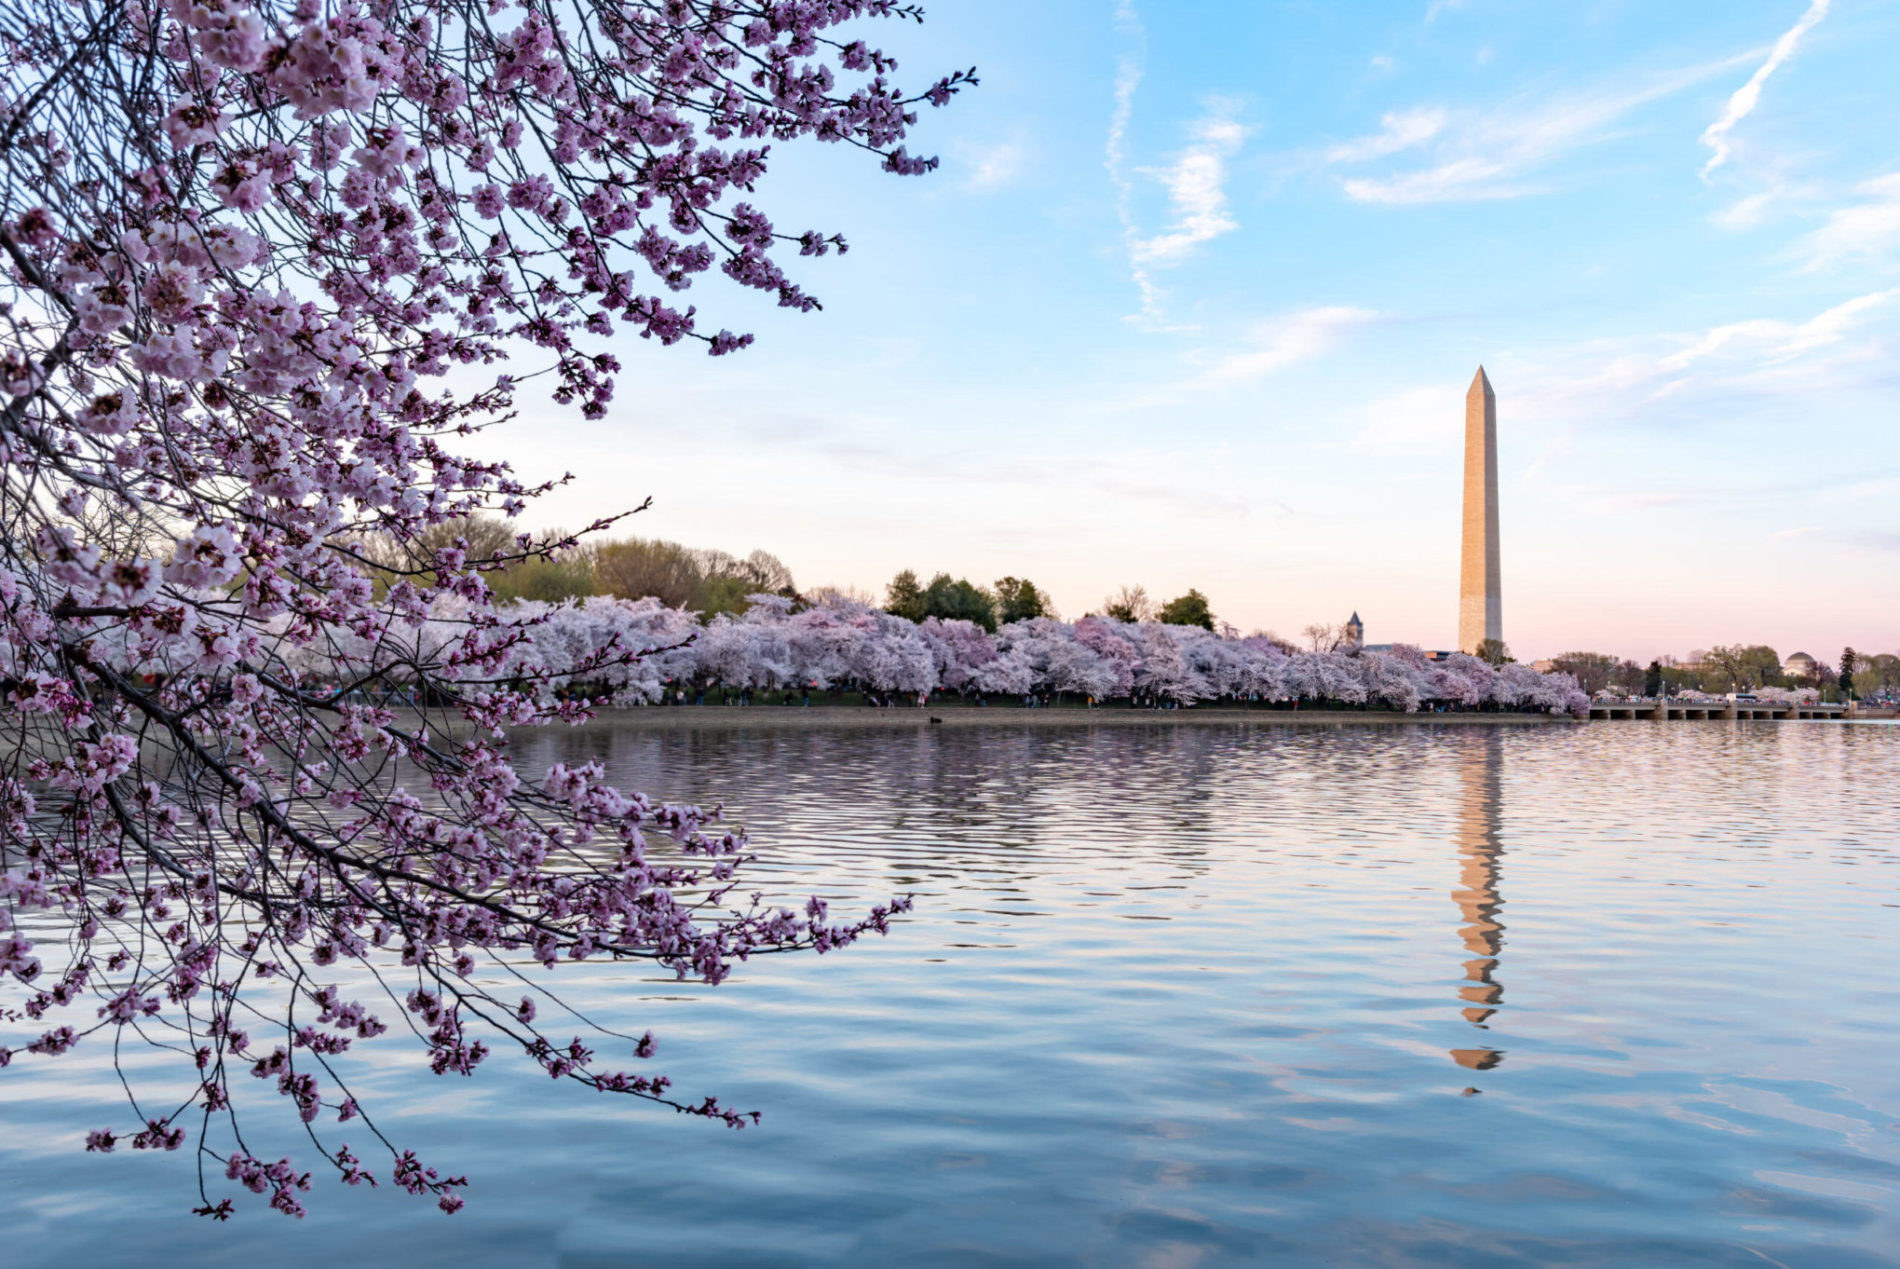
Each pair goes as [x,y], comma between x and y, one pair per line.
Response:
[1480,593]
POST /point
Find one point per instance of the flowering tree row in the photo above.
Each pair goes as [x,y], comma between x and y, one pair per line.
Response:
[840,643]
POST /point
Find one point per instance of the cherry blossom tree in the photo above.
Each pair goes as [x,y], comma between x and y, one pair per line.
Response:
[960,649]
[894,656]
[825,640]
[267,262]
[1054,660]
[1107,638]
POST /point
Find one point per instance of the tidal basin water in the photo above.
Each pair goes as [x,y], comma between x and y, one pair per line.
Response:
[1191,995]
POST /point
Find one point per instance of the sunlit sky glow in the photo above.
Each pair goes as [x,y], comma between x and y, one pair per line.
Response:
[1197,293]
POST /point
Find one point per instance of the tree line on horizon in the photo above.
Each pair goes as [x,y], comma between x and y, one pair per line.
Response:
[1733,668]
[704,580]
[1013,599]
[710,582]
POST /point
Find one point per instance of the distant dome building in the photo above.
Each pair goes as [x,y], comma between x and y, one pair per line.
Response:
[1798,666]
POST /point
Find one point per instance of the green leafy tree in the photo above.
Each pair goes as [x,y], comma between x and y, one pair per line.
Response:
[1017,599]
[722,592]
[1653,679]
[1740,667]
[1849,663]
[948,598]
[1876,674]
[1189,610]
[904,597]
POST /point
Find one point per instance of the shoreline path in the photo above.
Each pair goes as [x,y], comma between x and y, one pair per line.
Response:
[789,717]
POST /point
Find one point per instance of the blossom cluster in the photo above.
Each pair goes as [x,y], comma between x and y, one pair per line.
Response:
[267,264]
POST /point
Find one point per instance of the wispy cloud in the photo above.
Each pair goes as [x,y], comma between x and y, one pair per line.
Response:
[1460,180]
[1863,231]
[1442,6]
[1401,130]
[1777,341]
[1746,213]
[1197,190]
[1287,341]
[1748,96]
[1757,368]
[992,166]
[1495,153]
[1128,73]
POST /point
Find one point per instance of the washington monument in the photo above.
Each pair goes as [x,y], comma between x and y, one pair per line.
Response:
[1480,594]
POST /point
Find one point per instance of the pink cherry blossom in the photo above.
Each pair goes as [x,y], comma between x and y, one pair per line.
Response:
[270,263]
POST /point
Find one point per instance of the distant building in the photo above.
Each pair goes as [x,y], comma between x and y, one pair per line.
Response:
[1356,632]
[1799,666]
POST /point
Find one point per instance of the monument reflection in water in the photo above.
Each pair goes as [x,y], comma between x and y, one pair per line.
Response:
[1480,847]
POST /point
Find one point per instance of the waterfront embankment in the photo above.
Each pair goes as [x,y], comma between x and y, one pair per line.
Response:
[790,717]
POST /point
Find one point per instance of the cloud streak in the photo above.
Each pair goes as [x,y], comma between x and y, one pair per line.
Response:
[1708,379]
[1862,231]
[1128,74]
[1748,96]
[1402,129]
[1474,156]
[1288,341]
[1777,341]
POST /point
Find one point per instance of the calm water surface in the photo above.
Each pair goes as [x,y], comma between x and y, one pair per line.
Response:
[1617,994]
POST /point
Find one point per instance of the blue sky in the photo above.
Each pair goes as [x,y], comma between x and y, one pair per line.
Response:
[1196,295]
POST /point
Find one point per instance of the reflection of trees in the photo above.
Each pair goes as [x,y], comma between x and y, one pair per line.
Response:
[1479,850]
[908,806]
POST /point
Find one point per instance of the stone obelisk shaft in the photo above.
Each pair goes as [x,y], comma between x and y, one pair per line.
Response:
[1480,592]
